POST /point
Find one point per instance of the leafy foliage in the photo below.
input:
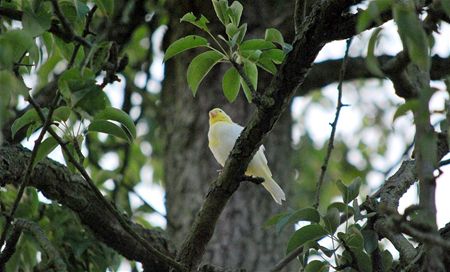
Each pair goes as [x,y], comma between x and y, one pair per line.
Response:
[245,55]
[351,246]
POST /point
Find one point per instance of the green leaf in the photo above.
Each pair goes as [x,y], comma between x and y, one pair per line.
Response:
[65,50]
[251,55]
[363,260]
[332,220]
[13,44]
[371,60]
[353,238]
[231,29]
[446,6]
[100,55]
[316,266]
[372,13]
[267,65]
[357,212]
[235,12]
[105,6]
[221,7]
[11,84]
[235,34]
[90,99]
[110,128]
[231,84]
[81,91]
[251,71]
[29,117]
[47,146]
[62,113]
[370,240]
[114,114]
[274,35]
[412,33]
[410,105]
[275,55]
[306,214]
[305,234]
[353,189]
[199,67]
[343,189]
[275,219]
[36,23]
[200,22]
[349,192]
[183,44]
[256,44]
[70,6]
[342,207]
[386,259]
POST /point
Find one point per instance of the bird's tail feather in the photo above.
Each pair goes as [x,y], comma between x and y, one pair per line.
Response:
[274,189]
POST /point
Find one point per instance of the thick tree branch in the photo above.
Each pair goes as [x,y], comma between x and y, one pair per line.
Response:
[56,182]
[123,223]
[312,36]
[390,193]
[440,68]
[286,260]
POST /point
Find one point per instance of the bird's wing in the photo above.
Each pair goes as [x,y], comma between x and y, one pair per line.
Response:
[261,150]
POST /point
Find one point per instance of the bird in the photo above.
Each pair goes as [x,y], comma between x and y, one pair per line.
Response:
[222,135]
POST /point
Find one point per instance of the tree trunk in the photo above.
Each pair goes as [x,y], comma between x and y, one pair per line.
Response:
[240,240]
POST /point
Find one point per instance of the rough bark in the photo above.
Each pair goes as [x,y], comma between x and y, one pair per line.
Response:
[57,183]
[240,239]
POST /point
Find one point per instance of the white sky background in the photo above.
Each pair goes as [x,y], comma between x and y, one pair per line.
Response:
[316,121]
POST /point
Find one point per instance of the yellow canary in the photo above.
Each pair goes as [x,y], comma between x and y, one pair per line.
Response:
[222,135]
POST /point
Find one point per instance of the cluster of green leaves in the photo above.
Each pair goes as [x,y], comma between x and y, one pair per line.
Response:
[82,98]
[78,248]
[348,246]
[30,50]
[232,48]
[411,30]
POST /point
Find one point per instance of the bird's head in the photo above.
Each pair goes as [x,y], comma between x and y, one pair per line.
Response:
[218,115]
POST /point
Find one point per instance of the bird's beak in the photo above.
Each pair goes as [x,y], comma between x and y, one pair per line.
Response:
[212,114]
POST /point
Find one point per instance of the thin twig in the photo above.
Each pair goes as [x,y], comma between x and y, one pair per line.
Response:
[86,31]
[142,199]
[47,122]
[153,251]
[66,25]
[444,162]
[9,249]
[286,260]
[333,125]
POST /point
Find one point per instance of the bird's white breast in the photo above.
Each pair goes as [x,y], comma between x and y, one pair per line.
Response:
[222,137]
